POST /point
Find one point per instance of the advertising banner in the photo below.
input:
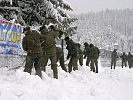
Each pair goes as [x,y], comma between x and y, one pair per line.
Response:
[10,38]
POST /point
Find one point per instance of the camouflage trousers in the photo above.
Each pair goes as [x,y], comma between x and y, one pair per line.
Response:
[61,60]
[80,59]
[130,63]
[94,65]
[50,54]
[88,61]
[33,59]
[73,64]
[124,62]
[113,63]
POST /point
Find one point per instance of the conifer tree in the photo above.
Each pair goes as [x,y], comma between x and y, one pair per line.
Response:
[42,12]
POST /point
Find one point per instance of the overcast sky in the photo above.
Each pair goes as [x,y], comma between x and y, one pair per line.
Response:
[83,6]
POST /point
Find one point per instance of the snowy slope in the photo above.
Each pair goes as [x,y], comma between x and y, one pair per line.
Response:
[79,85]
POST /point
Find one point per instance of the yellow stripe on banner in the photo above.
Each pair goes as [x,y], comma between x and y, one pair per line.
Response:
[1,38]
[13,36]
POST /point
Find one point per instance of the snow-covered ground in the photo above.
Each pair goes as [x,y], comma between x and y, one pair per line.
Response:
[79,85]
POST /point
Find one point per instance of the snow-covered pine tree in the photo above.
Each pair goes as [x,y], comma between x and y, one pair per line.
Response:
[39,12]
[105,28]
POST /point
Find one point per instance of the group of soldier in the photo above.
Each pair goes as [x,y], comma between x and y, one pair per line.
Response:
[42,46]
[124,57]
[75,54]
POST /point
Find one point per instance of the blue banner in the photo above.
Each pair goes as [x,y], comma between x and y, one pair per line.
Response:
[10,38]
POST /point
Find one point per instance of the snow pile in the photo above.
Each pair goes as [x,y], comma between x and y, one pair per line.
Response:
[79,85]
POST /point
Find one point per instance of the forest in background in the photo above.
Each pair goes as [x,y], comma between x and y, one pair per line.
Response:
[106,29]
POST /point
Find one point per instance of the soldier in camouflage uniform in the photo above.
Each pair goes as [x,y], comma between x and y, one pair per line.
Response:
[124,59]
[87,53]
[130,60]
[94,55]
[72,54]
[31,44]
[49,49]
[60,58]
[80,58]
[114,57]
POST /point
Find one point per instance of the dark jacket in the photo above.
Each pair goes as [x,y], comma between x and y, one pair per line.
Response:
[48,40]
[114,55]
[130,57]
[124,57]
[94,52]
[87,51]
[72,49]
[31,42]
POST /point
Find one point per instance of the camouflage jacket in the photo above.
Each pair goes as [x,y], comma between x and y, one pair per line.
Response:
[87,51]
[123,57]
[48,40]
[72,48]
[94,52]
[114,55]
[31,42]
[130,57]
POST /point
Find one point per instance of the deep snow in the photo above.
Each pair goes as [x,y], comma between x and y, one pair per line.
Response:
[79,85]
